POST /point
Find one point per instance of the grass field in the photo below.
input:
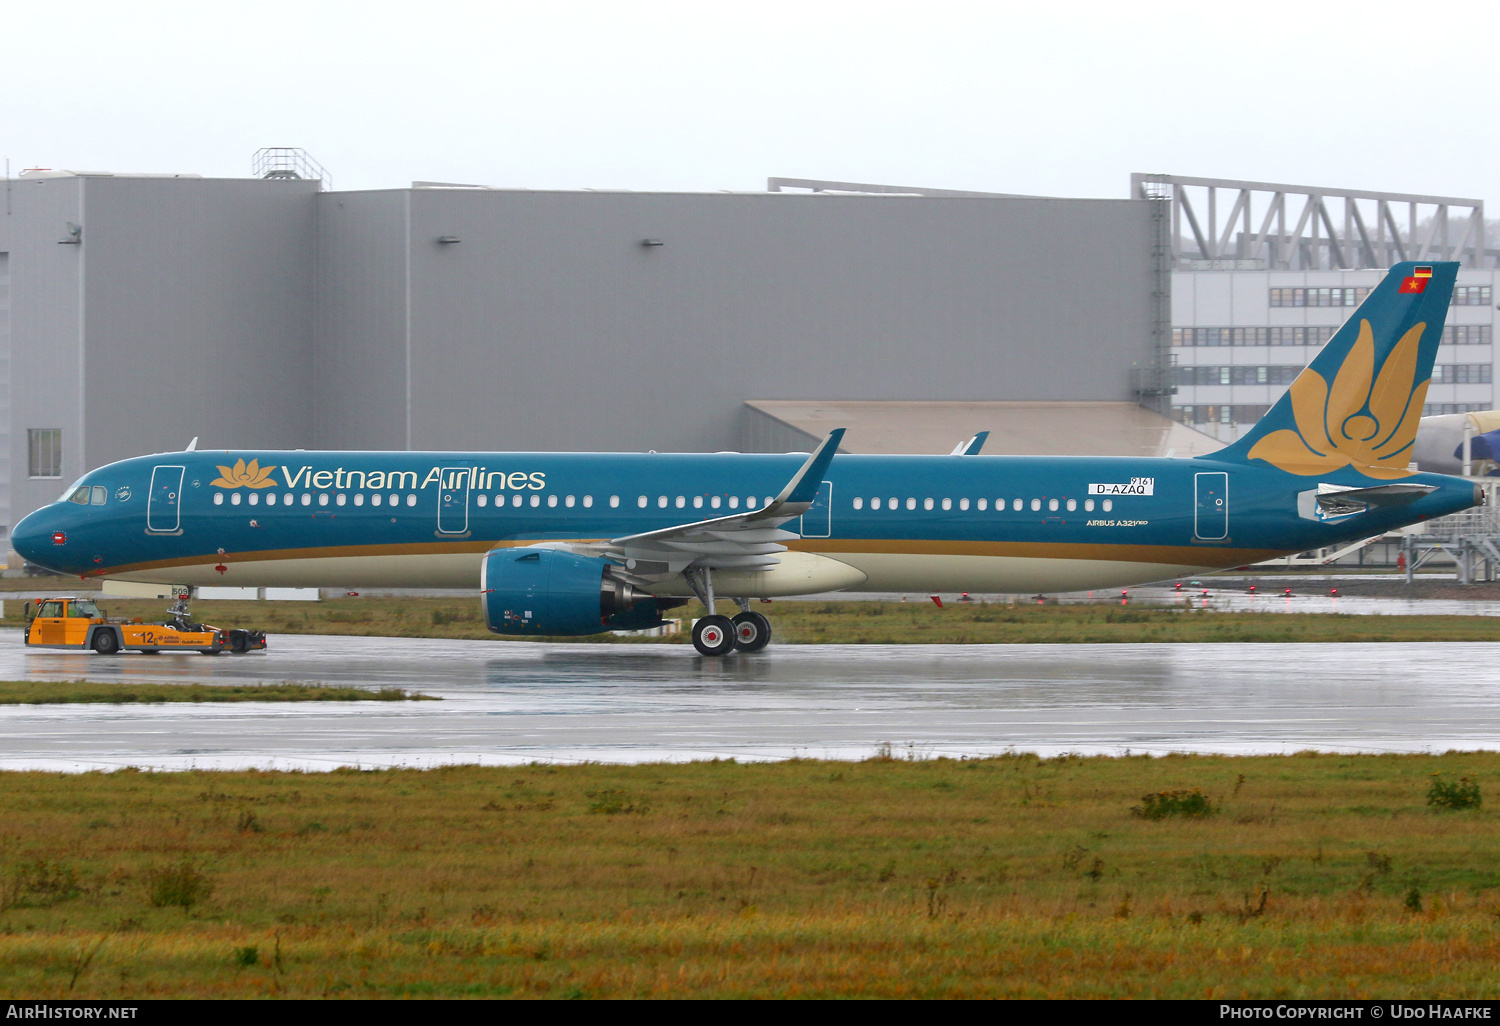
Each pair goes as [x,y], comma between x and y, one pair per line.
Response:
[1310,876]
[38,692]
[850,622]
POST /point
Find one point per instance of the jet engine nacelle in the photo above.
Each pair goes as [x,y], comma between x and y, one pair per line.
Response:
[535,591]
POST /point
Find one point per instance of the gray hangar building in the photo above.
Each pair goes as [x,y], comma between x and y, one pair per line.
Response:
[140,311]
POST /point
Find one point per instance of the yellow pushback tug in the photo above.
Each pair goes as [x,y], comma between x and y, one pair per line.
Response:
[77,623]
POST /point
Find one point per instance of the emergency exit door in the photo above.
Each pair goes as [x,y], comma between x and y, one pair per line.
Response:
[817,522]
[1211,513]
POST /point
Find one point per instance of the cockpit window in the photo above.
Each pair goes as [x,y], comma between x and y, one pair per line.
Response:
[84,607]
[80,496]
[71,492]
[100,494]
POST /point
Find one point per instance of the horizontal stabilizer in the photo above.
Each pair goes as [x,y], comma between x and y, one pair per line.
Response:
[1340,501]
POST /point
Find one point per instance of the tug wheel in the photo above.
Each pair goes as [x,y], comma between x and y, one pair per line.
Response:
[105,642]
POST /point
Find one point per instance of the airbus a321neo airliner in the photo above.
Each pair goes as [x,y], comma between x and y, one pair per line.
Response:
[580,543]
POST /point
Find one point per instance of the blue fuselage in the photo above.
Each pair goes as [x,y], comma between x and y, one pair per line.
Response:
[979,523]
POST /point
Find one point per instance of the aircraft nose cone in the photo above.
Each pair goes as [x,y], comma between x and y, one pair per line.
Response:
[33,539]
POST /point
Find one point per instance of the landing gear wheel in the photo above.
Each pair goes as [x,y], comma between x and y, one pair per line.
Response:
[714,635]
[751,632]
[105,642]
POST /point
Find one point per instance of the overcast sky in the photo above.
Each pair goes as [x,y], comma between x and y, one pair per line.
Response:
[1046,98]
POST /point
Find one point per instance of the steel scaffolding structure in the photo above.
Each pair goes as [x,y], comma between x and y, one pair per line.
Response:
[1372,237]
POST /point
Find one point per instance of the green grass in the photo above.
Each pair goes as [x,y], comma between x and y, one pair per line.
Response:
[1318,876]
[32,692]
[854,622]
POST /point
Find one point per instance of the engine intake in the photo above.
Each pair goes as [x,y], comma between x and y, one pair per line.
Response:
[536,591]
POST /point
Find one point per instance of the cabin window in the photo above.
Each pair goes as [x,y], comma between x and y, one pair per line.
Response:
[892,502]
[515,500]
[307,498]
[911,503]
[323,499]
[963,503]
[1015,505]
[1072,505]
[375,499]
[681,502]
[1088,504]
[218,498]
[359,499]
[926,503]
[340,499]
[411,500]
[552,500]
[985,504]
[749,502]
[569,501]
[101,495]
[734,502]
[1052,505]
[1036,504]
[271,499]
[716,502]
[661,502]
[588,500]
[253,498]
[947,503]
[480,501]
[875,502]
[641,502]
[234,499]
[770,499]
[1109,504]
[859,503]
[536,500]
[697,502]
[396,500]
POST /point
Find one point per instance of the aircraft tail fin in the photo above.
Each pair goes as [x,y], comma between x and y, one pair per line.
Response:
[1358,403]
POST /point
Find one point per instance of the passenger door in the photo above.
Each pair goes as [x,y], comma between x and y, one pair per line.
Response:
[453,500]
[164,507]
[1211,509]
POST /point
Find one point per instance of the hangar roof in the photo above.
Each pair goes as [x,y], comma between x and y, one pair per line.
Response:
[1028,428]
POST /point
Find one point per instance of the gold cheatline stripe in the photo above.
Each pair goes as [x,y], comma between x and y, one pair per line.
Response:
[1185,555]
[1198,555]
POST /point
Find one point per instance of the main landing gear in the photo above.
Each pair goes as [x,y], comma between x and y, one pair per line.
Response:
[716,635]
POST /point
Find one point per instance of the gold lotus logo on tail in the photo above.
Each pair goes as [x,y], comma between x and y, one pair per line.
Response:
[1360,420]
[245,475]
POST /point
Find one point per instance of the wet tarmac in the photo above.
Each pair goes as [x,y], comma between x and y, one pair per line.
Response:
[514,702]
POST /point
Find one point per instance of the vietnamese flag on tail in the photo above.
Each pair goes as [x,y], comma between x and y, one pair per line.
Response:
[1413,284]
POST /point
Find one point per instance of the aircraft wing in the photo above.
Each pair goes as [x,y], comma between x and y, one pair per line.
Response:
[740,541]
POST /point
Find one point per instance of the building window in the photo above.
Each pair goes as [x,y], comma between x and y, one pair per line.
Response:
[1461,374]
[45,447]
[1470,295]
[1443,409]
[1466,335]
[1319,296]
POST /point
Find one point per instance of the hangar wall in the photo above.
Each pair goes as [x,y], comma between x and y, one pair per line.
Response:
[265,313]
